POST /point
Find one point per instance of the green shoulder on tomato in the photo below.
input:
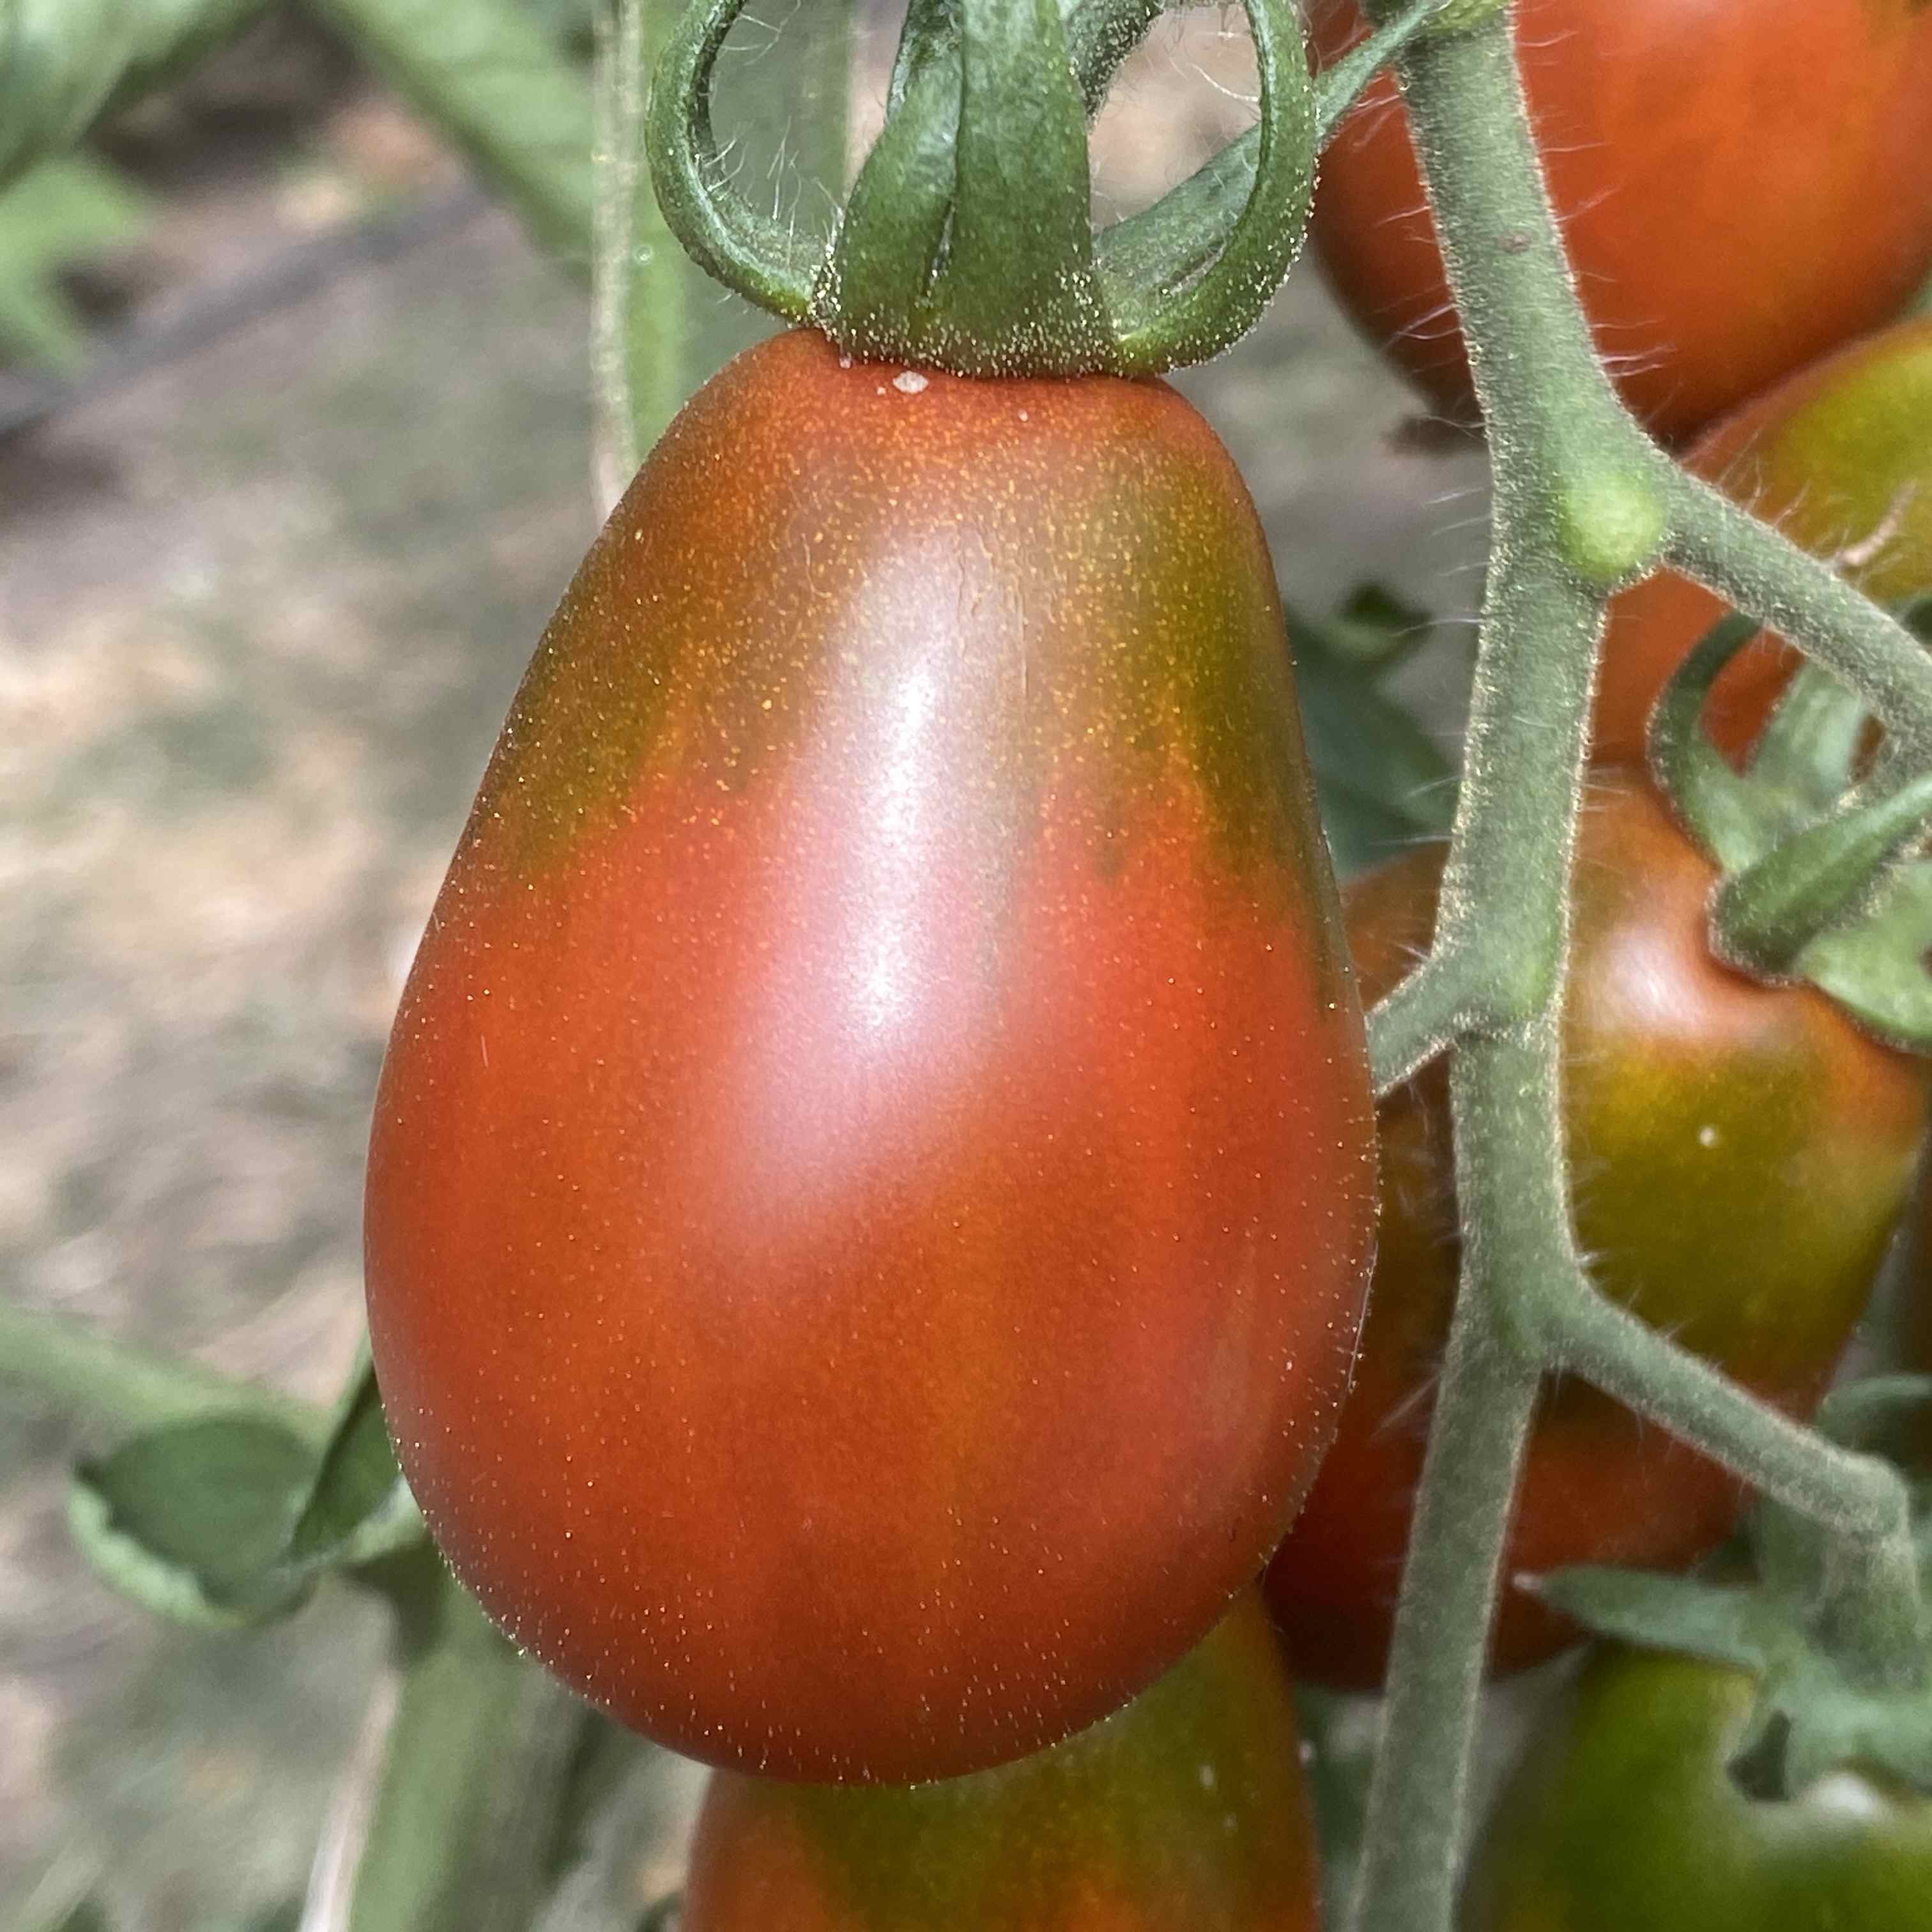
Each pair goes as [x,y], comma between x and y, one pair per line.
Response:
[1624,1817]
[1739,1153]
[1840,458]
[1186,1810]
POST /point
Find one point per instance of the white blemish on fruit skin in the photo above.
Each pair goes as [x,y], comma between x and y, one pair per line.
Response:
[910,382]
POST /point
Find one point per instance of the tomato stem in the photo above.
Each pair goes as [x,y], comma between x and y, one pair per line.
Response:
[1583,500]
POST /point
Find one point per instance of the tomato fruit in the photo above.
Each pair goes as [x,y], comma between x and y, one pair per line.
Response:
[1739,182]
[1623,1813]
[1739,1154]
[872,1183]
[1187,1808]
[1840,457]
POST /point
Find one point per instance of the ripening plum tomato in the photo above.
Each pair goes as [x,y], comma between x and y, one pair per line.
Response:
[1188,1808]
[1741,185]
[1840,457]
[1623,1814]
[1739,1154]
[873,1181]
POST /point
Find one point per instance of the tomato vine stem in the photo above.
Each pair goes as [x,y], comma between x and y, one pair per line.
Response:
[1583,502]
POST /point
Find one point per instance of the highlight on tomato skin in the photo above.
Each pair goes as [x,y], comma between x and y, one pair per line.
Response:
[1840,458]
[1188,1808]
[1739,185]
[1740,1154]
[872,1184]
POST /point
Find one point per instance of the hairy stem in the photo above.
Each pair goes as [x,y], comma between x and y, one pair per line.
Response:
[1584,502]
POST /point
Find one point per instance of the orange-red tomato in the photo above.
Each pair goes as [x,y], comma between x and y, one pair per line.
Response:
[1741,185]
[1840,457]
[1740,1154]
[872,1183]
[1187,1809]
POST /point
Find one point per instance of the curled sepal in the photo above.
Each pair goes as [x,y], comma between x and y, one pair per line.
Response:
[1191,226]
[1722,1623]
[1176,321]
[1809,751]
[1811,883]
[1712,798]
[763,260]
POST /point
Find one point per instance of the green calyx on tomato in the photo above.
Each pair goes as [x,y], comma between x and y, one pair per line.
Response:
[1818,885]
[1626,1812]
[1686,1085]
[1836,1639]
[967,244]
[872,1183]
[1187,1808]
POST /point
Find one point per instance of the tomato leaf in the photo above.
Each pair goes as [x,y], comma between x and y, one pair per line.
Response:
[1381,780]
[191,1520]
[53,216]
[63,63]
[358,1506]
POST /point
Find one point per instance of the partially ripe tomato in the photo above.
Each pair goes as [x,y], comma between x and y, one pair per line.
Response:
[1624,1815]
[872,1183]
[1840,458]
[1740,183]
[1187,1809]
[1740,1154]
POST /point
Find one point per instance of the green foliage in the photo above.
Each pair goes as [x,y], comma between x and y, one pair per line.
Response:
[1381,781]
[230,1520]
[490,76]
[190,1520]
[52,217]
[64,63]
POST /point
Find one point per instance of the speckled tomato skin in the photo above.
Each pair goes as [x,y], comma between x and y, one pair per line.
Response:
[1740,184]
[1624,1813]
[1187,1809]
[1840,458]
[1740,1154]
[872,1183]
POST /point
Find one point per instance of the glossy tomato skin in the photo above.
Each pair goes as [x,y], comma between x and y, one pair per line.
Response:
[1736,181]
[1840,458]
[872,1183]
[1623,1814]
[1740,1154]
[1188,1808]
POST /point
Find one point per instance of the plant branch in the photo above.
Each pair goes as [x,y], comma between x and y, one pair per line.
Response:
[1770,579]
[75,1367]
[1584,503]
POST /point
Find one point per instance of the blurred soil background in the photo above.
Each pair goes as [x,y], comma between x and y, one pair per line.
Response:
[262,608]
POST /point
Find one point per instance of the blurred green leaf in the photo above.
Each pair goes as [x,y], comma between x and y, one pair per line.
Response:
[1375,627]
[1382,782]
[192,1520]
[358,1507]
[52,217]
[489,74]
[63,63]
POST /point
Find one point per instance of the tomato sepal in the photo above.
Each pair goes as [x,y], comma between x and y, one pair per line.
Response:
[1821,881]
[1834,1688]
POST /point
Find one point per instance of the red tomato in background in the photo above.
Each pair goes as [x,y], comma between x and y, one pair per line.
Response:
[1739,1154]
[872,1184]
[1741,185]
[1186,1810]
[1840,457]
